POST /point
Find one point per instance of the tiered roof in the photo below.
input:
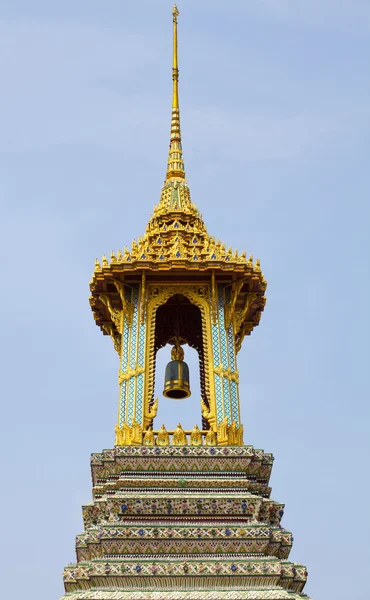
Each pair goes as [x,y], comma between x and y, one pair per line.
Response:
[176,242]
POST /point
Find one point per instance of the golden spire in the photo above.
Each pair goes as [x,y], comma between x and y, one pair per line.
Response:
[175,195]
[175,167]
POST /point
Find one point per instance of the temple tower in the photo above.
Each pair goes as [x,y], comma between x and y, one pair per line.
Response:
[180,514]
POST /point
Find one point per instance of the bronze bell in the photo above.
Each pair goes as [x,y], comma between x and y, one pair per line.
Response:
[176,380]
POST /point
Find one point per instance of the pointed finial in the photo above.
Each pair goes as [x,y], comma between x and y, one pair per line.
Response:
[175,64]
[175,167]
[175,12]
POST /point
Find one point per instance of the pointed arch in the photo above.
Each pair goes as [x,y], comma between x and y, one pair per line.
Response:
[199,295]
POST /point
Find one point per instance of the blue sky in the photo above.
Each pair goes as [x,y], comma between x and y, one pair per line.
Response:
[275,115]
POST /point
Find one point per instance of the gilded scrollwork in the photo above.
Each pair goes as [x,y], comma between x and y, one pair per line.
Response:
[230,435]
[126,375]
[222,434]
[129,436]
[153,292]
[230,375]
[115,314]
[205,410]
[136,434]
[208,413]
[123,435]
[127,307]
[235,434]
[230,307]
[151,413]
[241,314]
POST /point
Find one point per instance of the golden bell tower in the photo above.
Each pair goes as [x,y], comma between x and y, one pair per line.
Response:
[177,281]
[180,515]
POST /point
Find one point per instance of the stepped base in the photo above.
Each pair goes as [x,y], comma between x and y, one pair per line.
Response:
[277,594]
[183,523]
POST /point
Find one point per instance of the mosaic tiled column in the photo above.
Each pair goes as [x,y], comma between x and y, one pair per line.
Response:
[224,362]
[132,362]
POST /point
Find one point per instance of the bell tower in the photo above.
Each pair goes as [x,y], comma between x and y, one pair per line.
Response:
[176,514]
[178,285]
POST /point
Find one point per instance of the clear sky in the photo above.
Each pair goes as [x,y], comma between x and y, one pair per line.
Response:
[275,108]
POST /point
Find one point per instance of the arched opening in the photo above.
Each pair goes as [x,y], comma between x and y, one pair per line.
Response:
[180,318]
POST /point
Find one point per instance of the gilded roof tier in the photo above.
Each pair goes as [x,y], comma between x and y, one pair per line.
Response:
[176,241]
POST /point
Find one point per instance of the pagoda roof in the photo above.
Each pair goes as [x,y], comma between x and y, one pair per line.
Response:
[177,247]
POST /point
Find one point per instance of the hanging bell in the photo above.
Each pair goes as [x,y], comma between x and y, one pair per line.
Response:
[176,380]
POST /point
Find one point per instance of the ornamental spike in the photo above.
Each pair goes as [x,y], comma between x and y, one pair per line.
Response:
[175,166]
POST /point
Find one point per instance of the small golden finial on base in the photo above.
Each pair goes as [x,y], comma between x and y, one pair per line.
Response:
[211,438]
[149,438]
[163,439]
[195,437]
[179,436]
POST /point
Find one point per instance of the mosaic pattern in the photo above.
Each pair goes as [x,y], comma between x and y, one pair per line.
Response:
[189,573]
[234,388]
[224,353]
[233,451]
[133,503]
[132,362]
[109,464]
[133,566]
[128,482]
[109,470]
[223,343]
[203,537]
[140,378]
[272,594]
[152,531]
[133,355]
[216,362]
[179,548]
[124,366]
[152,539]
